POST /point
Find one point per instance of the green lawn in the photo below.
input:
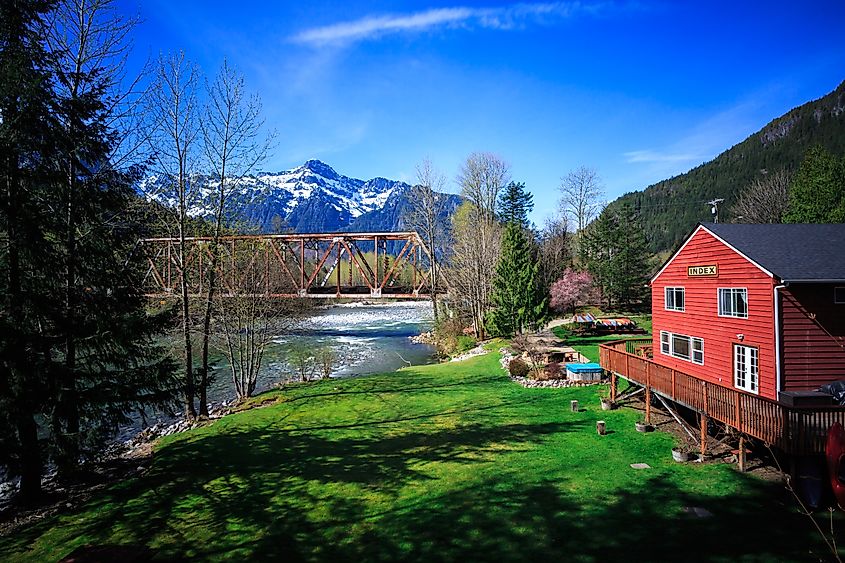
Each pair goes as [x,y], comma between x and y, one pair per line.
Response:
[588,344]
[436,463]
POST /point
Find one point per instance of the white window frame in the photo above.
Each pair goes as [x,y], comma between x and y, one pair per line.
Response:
[746,359]
[674,290]
[695,346]
[731,291]
[839,301]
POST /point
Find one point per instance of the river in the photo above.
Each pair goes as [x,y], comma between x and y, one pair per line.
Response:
[366,338]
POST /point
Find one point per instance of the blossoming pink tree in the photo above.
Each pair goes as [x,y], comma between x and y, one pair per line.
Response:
[573,288]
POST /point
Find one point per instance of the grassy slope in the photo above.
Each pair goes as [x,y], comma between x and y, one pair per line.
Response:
[442,462]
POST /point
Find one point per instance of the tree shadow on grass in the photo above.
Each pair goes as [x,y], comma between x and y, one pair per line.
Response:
[368,491]
[257,479]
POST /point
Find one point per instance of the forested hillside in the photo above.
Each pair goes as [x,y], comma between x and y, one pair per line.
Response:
[670,209]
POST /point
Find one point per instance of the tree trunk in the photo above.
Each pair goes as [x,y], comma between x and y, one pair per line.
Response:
[66,424]
[27,429]
[30,458]
[190,411]
[206,326]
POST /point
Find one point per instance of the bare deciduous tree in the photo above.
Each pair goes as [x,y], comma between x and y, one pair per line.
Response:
[555,250]
[582,195]
[425,216]
[301,360]
[482,177]
[477,234]
[326,361]
[245,327]
[764,200]
[233,147]
[173,114]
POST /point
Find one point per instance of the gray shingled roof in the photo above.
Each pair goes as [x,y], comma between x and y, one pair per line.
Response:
[791,252]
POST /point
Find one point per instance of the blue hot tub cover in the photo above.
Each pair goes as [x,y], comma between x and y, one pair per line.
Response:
[583,368]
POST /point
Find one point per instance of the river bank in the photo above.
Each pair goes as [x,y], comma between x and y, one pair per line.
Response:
[370,337]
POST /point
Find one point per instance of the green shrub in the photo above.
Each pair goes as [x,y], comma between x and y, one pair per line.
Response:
[447,334]
[518,368]
[464,342]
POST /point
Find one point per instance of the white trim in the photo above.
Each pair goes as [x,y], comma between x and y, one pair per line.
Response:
[670,260]
[726,243]
[717,237]
[778,368]
[719,303]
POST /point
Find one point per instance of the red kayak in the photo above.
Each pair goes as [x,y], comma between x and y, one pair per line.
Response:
[835,452]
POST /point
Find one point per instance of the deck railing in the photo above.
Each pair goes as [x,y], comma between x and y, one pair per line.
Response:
[794,430]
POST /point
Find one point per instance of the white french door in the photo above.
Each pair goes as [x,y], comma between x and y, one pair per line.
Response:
[746,368]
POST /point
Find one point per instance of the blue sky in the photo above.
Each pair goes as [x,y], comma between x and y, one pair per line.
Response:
[639,91]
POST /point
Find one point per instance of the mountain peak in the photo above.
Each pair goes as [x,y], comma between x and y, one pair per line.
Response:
[312,197]
[320,167]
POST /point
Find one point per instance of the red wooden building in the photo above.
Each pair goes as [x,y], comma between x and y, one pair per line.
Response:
[760,308]
[749,320]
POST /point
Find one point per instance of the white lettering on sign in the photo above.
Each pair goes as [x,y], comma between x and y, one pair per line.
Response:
[694,271]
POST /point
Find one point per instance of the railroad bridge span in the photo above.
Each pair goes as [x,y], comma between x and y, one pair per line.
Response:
[316,265]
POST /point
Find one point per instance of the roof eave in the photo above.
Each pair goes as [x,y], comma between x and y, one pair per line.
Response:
[834,280]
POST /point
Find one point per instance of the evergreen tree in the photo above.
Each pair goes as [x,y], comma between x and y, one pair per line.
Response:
[630,266]
[518,302]
[615,252]
[107,364]
[597,249]
[75,342]
[817,193]
[27,145]
[515,203]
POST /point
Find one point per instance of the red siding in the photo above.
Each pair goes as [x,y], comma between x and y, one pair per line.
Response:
[813,348]
[701,318]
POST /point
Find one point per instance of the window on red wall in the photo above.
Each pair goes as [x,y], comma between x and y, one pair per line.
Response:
[689,348]
[733,302]
[674,298]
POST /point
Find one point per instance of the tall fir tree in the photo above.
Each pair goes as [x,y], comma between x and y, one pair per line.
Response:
[78,353]
[518,301]
[515,203]
[631,263]
[107,364]
[28,144]
[615,252]
[817,192]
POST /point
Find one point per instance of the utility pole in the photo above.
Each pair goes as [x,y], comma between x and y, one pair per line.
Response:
[714,208]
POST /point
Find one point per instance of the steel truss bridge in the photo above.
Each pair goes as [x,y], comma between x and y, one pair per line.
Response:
[323,265]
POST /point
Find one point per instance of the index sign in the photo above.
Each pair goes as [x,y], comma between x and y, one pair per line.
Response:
[698,271]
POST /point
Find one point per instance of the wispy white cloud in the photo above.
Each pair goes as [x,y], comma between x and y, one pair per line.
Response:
[700,143]
[504,17]
[652,156]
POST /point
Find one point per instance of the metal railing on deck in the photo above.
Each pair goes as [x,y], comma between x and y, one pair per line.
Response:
[794,430]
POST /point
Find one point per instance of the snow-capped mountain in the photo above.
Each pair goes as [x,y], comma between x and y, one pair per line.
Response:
[309,198]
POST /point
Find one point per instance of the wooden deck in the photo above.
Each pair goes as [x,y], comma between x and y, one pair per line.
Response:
[798,431]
